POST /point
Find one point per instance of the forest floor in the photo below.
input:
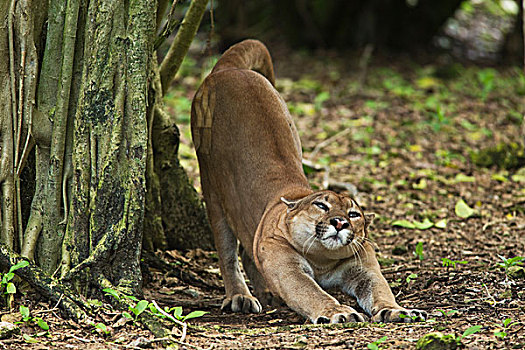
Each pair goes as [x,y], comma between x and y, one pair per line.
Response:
[434,151]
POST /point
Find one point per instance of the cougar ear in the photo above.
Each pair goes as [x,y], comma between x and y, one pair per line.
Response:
[369,218]
[291,204]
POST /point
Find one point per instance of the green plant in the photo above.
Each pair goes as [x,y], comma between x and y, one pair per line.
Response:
[438,118]
[176,312]
[411,277]
[136,310]
[24,311]
[102,327]
[375,345]
[469,331]
[320,99]
[507,323]
[448,313]
[28,319]
[414,318]
[448,263]
[486,79]
[117,295]
[418,252]
[508,263]
[6,286]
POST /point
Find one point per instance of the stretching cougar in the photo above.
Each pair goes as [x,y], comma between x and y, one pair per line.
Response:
[295,241]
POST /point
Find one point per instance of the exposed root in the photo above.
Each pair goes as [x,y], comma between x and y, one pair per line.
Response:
[67,301]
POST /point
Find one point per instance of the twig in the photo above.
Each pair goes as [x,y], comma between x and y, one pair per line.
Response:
[81,339]
[53,308]
[490,223]
[490,295]
[184,325]
[328,141]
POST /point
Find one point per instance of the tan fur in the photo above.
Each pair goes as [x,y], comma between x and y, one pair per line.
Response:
[294,242]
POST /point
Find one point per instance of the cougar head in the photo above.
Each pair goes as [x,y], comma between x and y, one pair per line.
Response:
[327,221]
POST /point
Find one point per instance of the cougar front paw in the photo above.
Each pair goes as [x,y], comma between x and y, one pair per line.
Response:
[242,303]
[339,314]
[399,315]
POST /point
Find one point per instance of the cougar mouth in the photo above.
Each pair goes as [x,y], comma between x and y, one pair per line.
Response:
[321,230]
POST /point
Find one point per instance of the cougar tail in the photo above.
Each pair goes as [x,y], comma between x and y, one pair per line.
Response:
[248,54]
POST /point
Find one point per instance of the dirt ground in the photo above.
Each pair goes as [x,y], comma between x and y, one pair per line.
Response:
[405,134]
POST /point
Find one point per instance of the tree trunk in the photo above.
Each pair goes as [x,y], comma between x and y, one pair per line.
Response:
[81,87]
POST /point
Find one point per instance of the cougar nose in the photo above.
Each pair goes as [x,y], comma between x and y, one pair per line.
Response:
[339,223]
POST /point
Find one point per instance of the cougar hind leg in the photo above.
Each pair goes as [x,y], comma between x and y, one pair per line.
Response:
[260,289]
[238,297]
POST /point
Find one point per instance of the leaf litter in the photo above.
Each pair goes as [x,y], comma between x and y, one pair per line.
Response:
[449,230]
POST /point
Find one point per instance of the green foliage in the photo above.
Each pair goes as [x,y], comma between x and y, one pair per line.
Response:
[510,262]
[112,292]
[504,155]
[486,79]
[375,345]
[470,331]
[410,278]
[28,319]
[5,282]
[136,310]
[320,99]
[139,308]
[418,252]
[118,295]
[420,225]
[447,313]
[448,263]
[7,287]
[176,312]
[102,327]
[506,325]
[437,340]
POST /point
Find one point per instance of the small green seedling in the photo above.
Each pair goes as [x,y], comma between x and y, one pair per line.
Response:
[507,323]
[176,312]
[112,293]
[411,277]
[102,327]
[6,286]
[508,263]
[418,252]
[117,295]
[375,345]
[137,310]
[447,313]
[469,331]
[448,263]
[486,80]
[414,318]
[27,318]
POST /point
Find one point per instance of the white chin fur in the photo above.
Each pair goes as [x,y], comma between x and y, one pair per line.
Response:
[332,239]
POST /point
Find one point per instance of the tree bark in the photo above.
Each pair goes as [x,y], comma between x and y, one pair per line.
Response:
[103,148]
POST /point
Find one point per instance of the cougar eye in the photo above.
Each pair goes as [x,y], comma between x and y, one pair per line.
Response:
[322,206]
[354,214]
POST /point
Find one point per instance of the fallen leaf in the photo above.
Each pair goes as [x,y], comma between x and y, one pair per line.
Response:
[403,223]
[463,210]
[426,224]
